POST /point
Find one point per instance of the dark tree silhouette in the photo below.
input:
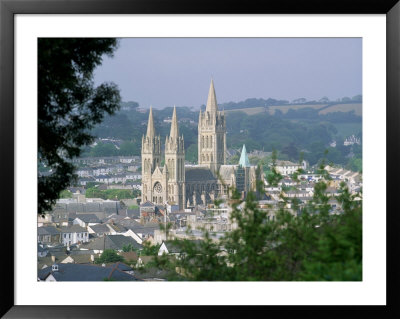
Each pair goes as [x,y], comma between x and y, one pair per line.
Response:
[68,107]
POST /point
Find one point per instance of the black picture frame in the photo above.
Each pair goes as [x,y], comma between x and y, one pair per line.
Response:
[8,9]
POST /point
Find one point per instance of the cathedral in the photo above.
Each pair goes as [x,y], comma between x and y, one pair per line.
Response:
[191,185]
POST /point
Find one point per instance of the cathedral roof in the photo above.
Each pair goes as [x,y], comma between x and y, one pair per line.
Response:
[244,160]
[226,171]
[193,174]
[150,125]
[212,106]
[174,126]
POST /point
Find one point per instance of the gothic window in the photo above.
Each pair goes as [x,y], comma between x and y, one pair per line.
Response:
[178,173]
[211,141]
[208,158]
[206,141]
[160,200]
[202,141]
[211,158]
[145,188]
[157,188]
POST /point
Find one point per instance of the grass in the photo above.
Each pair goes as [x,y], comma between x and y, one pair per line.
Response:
[271,109]
[343,108]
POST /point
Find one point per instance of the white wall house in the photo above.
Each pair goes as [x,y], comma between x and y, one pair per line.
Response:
[73,235]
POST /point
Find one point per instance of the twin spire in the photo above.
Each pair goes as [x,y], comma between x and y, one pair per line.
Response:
[174,133]
[174,125]
[211,107]
[150,125]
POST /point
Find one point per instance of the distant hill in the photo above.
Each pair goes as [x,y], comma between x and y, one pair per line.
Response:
[323,108]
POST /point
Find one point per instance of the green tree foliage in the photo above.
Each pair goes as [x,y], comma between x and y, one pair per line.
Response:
[149,249]
[113,194]
[108,256]
[65,194]
[191,153]
[127,248]
[103,149]
[309,244]
[68,106]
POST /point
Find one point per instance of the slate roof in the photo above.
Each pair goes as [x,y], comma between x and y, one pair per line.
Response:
[88,218]
[118,228]
[78,272]
[194,174]
[118,241]
[100,228]
[48,230]
[115,242]
[84,259]
[133,213]
[120,266]
[72,229]
[147,204]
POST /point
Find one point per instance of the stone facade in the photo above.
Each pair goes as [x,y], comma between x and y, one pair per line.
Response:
[196,184]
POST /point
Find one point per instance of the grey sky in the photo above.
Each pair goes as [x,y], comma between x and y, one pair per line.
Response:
[167,71]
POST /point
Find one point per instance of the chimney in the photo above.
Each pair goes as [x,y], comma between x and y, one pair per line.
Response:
[53,259]
[92,258]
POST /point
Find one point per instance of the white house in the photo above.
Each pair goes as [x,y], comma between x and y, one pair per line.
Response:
[73,235]
[288,168]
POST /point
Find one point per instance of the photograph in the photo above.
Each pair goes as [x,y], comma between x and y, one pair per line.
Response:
[234,159]
[199,160]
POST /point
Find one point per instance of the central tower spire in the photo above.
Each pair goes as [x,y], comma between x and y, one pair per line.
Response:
[212,106]
[212,134]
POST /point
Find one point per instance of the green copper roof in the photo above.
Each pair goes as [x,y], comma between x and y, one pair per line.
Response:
[244,160]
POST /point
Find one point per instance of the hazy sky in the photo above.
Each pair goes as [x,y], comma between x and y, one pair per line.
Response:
[166,71]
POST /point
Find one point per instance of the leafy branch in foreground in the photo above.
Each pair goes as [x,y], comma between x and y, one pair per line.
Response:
[309,243]
[69,106]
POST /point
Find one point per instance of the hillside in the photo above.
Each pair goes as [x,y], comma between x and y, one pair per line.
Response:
[289,129]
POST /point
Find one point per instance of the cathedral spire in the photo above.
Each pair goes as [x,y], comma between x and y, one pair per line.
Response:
[174,126]
[244,160]
[150,125]
[212,106]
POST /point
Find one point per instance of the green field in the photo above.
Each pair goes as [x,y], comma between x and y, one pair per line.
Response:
[343,108]
[271,109]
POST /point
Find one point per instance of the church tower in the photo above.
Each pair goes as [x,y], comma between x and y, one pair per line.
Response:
[151,158]
[175,163]
[212,134]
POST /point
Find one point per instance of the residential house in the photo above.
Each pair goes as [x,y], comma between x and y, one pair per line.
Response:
[99,229]
[85,220]
[48,235]
[115,242]
[78,272]
[288,168]
[42,251]
[74,234]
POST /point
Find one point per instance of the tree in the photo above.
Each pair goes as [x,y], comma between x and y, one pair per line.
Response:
[68,107]
[109,256]
[313,245]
